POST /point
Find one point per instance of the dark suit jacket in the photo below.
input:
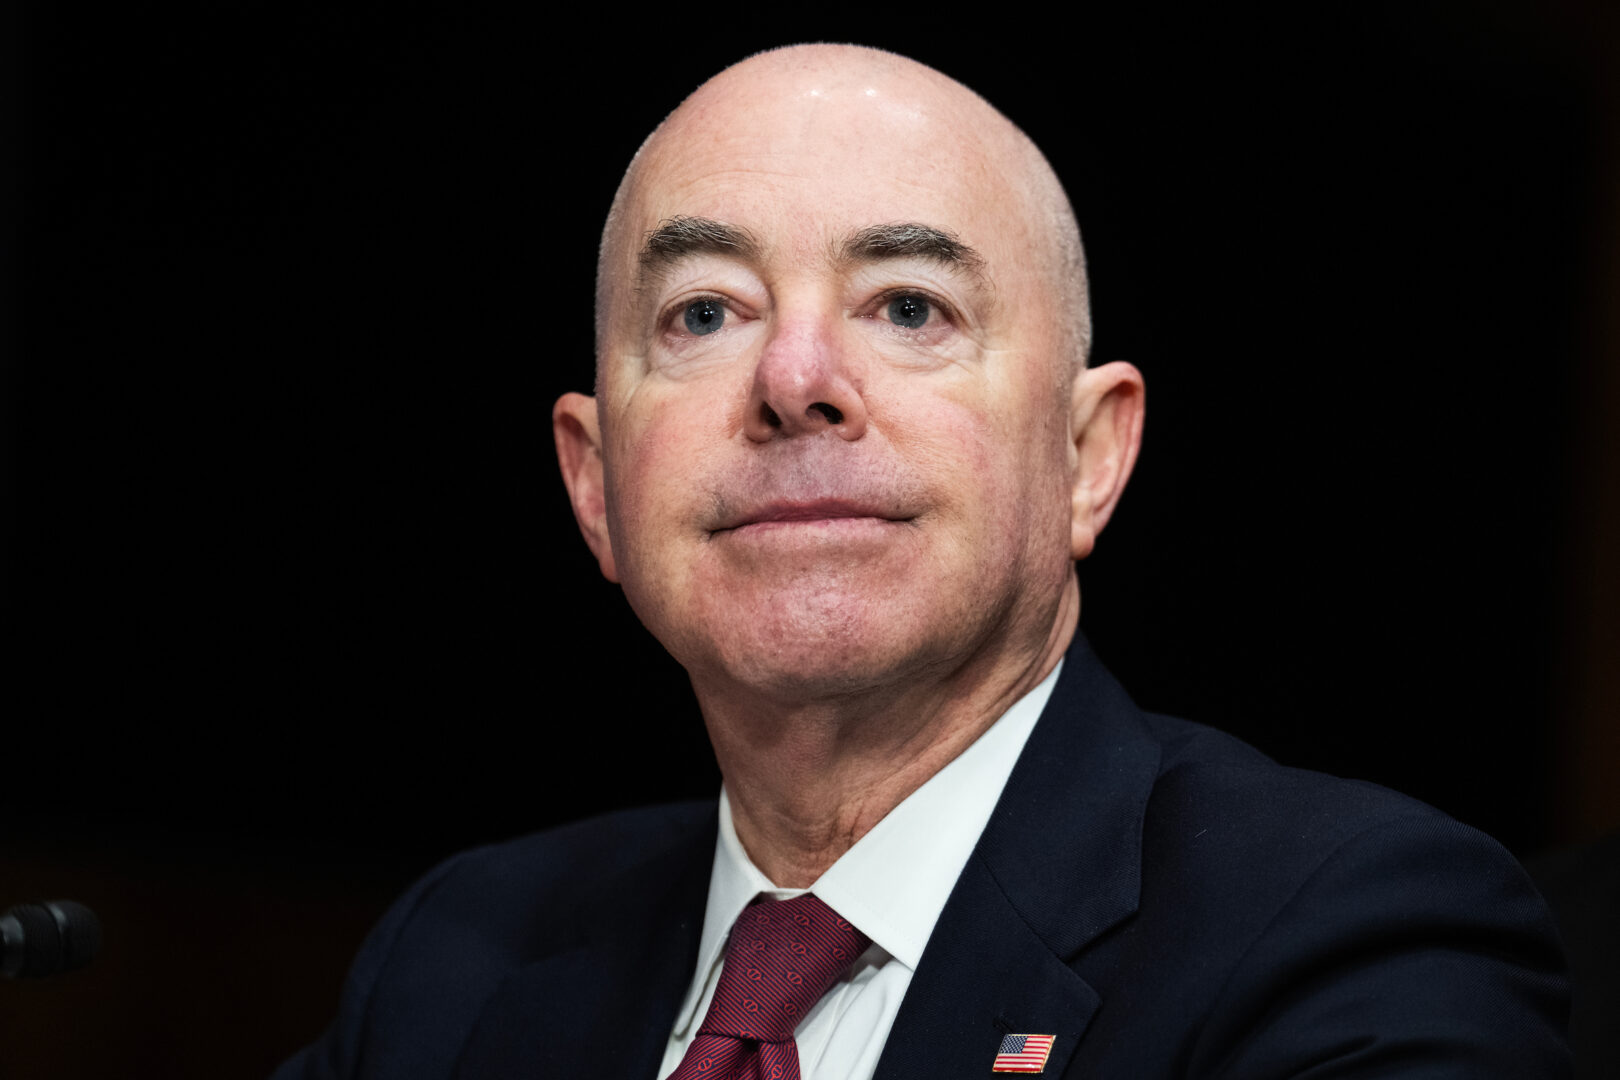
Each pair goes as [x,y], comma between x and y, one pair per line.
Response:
[1164,899]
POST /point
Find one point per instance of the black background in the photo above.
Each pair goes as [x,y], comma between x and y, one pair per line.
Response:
[298,603]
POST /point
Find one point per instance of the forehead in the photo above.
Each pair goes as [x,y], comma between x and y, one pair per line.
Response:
[807,155]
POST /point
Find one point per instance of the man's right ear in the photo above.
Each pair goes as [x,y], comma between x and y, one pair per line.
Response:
[579,452]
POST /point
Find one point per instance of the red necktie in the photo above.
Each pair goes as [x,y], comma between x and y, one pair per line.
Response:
[782,956]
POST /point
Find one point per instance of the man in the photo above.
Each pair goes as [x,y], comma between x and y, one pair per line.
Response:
[843,453]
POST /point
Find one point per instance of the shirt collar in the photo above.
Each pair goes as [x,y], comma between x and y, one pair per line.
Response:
[893,883]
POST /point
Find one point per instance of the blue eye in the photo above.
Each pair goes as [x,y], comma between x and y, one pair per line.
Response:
[910,312]
[704,317]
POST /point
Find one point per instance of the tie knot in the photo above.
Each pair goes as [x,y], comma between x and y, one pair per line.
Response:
[782,956]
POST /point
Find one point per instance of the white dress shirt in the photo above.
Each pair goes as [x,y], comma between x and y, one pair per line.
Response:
[892,884]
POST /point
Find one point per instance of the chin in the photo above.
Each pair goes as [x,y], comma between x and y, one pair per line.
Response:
[802,648]
[806,675]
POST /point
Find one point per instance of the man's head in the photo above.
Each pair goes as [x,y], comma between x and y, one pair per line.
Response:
[843,432]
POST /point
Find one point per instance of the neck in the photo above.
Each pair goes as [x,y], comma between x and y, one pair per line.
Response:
[809,778]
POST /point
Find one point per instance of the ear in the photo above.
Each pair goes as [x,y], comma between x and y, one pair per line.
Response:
[579,452]
[1106,425]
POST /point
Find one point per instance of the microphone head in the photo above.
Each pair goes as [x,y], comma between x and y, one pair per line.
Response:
[42,939]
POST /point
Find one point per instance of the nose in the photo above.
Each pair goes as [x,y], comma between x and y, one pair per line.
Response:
[805,384]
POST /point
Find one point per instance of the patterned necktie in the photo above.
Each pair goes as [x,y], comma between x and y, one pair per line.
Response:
[782,956]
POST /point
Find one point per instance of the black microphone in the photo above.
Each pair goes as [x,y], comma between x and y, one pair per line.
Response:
[42,939]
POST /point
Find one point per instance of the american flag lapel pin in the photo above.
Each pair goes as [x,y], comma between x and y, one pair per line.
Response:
[1023,1053]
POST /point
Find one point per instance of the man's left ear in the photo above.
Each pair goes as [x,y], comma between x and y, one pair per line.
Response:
[1106,423]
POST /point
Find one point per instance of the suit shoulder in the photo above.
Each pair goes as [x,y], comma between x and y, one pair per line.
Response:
[612,844]
[1232,837]
[499,887]
[1314,919]
[1215,782]
[427,970]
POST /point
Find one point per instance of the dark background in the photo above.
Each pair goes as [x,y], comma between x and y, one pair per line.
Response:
[297,605]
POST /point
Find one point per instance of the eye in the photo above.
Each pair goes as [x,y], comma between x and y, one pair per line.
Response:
[704,317]
[909,311]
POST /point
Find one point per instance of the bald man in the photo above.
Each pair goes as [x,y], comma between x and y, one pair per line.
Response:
[843,454]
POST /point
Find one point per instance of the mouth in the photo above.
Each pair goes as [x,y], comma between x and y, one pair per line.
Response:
[814,512]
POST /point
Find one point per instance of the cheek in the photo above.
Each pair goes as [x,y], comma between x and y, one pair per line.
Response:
[991,448]
[665,450]
[660,446]
[1004,474]
[645,510]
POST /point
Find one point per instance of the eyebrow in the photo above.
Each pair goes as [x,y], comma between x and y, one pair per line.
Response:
[910,240]
[682,237]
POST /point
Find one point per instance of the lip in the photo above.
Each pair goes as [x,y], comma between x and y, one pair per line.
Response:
[809,512]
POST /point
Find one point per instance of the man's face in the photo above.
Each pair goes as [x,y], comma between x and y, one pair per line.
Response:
[833,392]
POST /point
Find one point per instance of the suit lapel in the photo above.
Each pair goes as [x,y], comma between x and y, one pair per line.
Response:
[984,975]
[605,1005]
[1058,865]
